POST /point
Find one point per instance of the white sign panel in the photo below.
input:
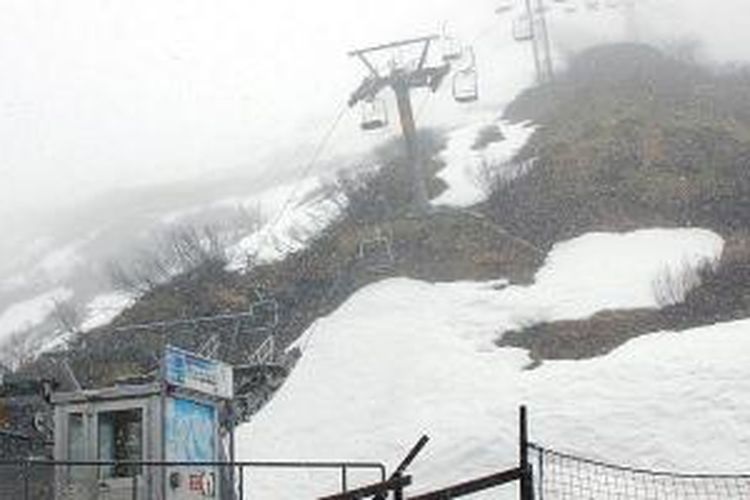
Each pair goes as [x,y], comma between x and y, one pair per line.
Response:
[185,369]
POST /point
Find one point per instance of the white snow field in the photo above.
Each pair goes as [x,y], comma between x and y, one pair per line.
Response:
[467,170]
[402,357]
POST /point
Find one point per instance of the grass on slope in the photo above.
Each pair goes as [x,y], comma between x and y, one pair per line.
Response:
[632,138]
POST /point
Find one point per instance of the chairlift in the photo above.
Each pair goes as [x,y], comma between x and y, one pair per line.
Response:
[264,312]
[522,29]
[376,251]
[504,6]
[452,50]
[611,4]
[466,85]
[451,47]
[592,4]
[374,114]
[470,58]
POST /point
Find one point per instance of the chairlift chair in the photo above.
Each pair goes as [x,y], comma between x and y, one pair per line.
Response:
[466,86]
[522,30]
[469,58]
[504,6]
[374,114]
[592,4]
[264,312]
[452,50]
[450,45]
[376,251]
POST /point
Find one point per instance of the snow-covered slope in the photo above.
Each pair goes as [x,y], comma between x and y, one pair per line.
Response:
[249,224]
[302,212]
[74,255]
[29,313]
[404,357]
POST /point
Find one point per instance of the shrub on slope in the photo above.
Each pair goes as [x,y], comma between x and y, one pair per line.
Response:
[628,138]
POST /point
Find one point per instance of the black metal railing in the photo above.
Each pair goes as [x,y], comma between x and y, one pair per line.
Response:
[32,479]
[541,474]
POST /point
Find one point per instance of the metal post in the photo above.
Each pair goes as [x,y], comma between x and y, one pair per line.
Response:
[540,474]
[241,487]
[26,467]
[403,100]
[398,492]
[550,73]
[527,488]
[343,479]
[534,47]
[232,447]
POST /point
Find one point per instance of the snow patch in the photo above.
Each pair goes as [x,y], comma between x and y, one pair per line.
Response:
[599,271]
[30,313]
[401,358]
[468,170]
[304,213]
[102,309]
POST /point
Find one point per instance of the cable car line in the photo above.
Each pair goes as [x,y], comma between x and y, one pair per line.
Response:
[268,228]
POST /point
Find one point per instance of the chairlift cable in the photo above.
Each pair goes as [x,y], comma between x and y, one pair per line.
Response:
[305,171]
[422,108]
[235,316]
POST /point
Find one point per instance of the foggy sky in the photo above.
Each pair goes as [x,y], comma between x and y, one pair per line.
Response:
[96,94]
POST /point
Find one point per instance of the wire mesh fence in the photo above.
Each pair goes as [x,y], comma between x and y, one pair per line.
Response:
[561,476]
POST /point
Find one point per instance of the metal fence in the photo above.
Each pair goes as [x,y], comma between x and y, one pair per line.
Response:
[16,445]
[562,476]
[31,479]
[541,474]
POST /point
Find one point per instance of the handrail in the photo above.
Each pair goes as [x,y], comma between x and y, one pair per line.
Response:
[396,484]
[473,486]
[300,464]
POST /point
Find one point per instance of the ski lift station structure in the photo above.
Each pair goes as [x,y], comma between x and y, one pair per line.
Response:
[177,419]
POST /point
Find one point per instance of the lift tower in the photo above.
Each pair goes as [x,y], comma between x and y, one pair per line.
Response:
[401,78]
[536,12]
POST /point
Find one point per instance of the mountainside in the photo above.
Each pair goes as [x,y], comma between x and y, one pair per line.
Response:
[597,209]
[631,137]
[626,138]
[639,203]
[376,234]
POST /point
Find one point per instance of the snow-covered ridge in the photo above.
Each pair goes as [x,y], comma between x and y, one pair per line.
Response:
[402,357]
